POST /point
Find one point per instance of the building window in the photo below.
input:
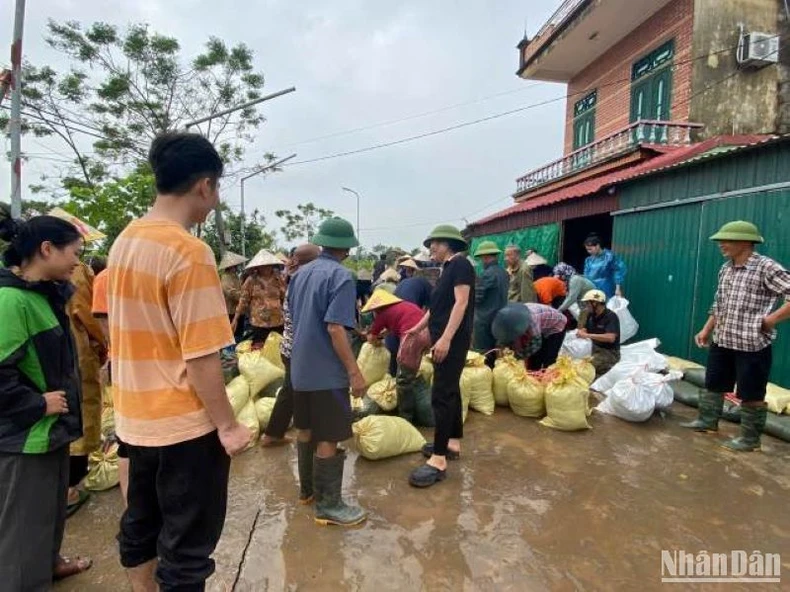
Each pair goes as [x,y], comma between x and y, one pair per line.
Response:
[651,85]
[584,120]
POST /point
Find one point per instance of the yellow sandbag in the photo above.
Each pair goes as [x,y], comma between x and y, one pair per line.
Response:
[238,391]
[426,369]
[567,399]
[271,349]
[107,422]
[777,399]
[249,418]
[374,362]
[585,370]
[102,469]
[263,410]
[477,382]
[244,347]
[505,370]
[385,393]
[106,397]
[384,436]
[258,371]
[526,395]
[681,364]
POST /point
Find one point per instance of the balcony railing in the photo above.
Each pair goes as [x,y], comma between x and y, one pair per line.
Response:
[559,16]
[670,133]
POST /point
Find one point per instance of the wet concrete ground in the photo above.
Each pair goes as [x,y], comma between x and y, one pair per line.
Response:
[527,508]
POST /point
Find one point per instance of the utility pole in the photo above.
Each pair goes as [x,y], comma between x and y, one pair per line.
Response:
[218,211]
[15,125]
[243,213]
[358,237]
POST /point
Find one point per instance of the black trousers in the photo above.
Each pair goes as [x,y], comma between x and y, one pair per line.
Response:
[33,489]
[283,410]
[548,352]
[749,371]
[446,399]
[177,500]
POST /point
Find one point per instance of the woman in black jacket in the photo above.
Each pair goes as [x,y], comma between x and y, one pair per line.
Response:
[40,411]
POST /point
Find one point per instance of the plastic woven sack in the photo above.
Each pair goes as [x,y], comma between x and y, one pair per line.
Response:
[238,391]
[477,384]
[385,436]
[777,399]
[271,349]
[374,362]
[506,369]
[258,371]
[385,393]
[645,352]
[585,370]
[423,410]
[102,469]
[567,399]
[630,401]
[249,418]
[263,411]
[526,395]
[426,369]
[576,347]
[628,325]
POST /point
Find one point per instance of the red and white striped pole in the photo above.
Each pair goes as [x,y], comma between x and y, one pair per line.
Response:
[15,125]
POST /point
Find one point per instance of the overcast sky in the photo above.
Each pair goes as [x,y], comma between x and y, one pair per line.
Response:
[357,63]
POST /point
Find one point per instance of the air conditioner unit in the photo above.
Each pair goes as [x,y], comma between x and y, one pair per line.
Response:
[756,50]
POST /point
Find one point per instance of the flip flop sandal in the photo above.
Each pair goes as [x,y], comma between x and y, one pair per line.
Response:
[427,452]
[66,567]
[425,476]
[71,509]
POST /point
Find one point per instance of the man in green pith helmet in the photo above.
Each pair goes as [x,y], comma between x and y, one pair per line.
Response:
[490,297]
[742,324]
[322,301]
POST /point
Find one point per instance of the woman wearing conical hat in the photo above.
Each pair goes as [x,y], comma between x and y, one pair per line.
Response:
[262,296]
[229,276]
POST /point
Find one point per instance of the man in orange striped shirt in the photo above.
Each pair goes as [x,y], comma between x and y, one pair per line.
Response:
[168,324]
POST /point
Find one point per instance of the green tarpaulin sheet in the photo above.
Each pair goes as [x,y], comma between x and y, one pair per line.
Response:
[542,239]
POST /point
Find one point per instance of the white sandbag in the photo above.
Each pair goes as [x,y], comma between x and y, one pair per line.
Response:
[645,352]
[574,310]
[576,347]
[628,325]
[619,372]
[629,401]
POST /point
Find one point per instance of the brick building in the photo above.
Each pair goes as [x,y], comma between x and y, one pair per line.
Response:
[650,83]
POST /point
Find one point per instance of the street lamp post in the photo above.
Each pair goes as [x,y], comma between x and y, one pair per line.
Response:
[358,237]
[243,179]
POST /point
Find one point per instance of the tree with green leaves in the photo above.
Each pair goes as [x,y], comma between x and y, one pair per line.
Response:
[302,223]
[126,86]
[256,235]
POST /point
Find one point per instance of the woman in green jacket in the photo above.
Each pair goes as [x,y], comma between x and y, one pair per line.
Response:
[40,411]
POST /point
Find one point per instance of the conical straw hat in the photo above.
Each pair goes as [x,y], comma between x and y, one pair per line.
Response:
[231,259]
[88,232]
[380,299]
[263,258]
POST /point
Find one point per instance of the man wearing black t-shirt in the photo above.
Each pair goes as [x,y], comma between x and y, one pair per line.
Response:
[449,320]
[603,329]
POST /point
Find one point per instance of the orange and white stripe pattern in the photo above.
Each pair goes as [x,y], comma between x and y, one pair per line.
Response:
[165,307]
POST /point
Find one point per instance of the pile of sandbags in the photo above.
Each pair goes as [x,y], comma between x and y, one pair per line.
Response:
[636,397]
[384,436]
[633,358]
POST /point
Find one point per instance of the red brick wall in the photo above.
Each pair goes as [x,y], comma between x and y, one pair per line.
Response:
[611,74]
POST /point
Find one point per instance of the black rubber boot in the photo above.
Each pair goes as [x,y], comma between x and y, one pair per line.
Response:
[710,406]
[329,505]
[305,452]
[752,426]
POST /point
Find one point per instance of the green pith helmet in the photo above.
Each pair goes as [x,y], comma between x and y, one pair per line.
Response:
[449,233]
[487,248]
[335,233]
[510,323]
[739,230]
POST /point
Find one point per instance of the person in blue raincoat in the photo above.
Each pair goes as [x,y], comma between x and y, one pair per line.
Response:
[605,269]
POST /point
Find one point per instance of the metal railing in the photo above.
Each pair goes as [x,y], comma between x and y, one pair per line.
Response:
[671,133]
[559,16]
